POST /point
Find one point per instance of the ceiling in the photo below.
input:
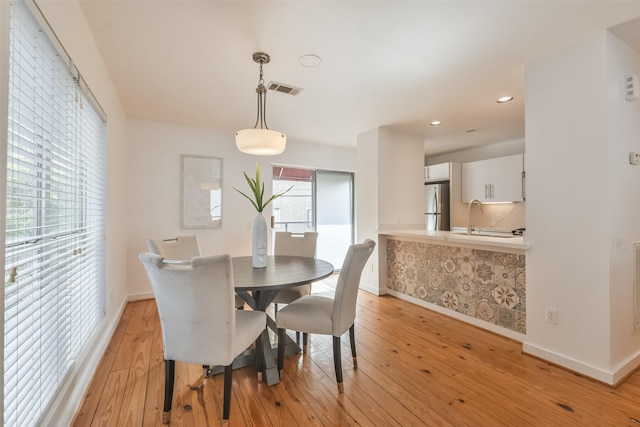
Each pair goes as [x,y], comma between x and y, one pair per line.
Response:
[384,63]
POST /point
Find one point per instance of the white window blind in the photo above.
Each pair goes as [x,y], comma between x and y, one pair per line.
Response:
[54,259]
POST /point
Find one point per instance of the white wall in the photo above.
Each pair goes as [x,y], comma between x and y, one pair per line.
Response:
[153,168]
[68,22]
[624,192]
[400,179]
[499,149]
[366,185]
[390,192]
[578,134]
[567,266]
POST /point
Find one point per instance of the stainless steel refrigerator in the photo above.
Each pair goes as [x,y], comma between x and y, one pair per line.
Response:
[437,215]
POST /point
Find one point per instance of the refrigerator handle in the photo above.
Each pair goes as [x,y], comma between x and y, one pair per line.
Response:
[435,200]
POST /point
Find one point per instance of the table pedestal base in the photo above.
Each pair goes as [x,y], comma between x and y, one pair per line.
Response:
[258,288]
[271,375]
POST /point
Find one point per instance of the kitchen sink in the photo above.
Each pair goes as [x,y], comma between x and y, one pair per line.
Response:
[482,233]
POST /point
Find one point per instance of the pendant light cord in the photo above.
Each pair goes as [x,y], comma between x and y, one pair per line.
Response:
[262,103]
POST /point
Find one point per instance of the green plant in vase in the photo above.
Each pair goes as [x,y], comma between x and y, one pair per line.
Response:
[257,190]
[259,247]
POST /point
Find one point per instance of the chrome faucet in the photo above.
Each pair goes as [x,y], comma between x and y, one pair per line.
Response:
[469,214]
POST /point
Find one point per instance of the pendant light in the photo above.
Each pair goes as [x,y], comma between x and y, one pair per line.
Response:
[261,140]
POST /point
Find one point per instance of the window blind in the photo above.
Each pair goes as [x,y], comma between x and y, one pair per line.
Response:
[54,243]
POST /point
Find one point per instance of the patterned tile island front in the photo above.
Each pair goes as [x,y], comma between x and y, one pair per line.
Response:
[481,283]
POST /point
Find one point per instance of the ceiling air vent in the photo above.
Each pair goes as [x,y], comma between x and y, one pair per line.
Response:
[281,87]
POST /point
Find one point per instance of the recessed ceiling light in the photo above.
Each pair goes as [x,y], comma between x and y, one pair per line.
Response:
[504,99]
[310,61]
[436,123]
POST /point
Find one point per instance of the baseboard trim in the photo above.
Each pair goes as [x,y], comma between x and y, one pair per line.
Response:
[626,368]
[140,296]
[612,378]
[372,289]
[574,365]
[69,397]
[516,336]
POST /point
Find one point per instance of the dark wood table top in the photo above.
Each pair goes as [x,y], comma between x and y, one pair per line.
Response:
[280,272]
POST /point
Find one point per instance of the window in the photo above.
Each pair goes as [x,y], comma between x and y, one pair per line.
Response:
[54,242]
[295,208]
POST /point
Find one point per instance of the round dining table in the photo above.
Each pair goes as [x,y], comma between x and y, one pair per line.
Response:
[259,286]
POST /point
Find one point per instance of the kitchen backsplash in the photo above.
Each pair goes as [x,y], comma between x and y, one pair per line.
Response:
[507,216]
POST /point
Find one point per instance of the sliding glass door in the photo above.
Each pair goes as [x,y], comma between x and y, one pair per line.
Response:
[334,215]
[319,201]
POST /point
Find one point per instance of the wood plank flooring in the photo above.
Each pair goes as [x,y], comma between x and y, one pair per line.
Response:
[415,367]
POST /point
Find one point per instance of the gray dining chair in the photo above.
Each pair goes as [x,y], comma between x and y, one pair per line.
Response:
[182,248]
[287,243]
[316,314]
[197,317]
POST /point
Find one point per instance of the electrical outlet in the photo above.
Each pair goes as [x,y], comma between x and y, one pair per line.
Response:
[551,315]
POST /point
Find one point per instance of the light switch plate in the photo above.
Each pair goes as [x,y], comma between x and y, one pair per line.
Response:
[631,87]
[634,158]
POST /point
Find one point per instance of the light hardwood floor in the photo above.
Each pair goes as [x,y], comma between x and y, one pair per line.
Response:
[415,367]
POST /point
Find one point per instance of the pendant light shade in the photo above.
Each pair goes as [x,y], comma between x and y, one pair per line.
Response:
[261,140]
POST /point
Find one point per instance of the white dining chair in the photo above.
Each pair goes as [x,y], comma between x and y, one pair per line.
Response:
[182,248]
[287,243]
[198,321]
[316,314]
[178,248]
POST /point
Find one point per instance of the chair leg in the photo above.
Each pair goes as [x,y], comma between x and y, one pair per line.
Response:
[281,333]
[298,337]
[259,358]
[352,339]
[226,405]
[305,342]
[169,372]
[337,363]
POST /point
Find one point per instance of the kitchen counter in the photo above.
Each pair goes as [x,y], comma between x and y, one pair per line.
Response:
[478,279]
[454,237]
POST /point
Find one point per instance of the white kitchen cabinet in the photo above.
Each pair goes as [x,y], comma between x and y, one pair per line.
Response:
[475,178]
[439,172]
[493,180]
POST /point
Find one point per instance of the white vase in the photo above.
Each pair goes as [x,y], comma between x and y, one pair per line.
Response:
[259,241]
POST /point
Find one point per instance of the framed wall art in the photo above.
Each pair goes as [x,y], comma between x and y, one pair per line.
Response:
[200,192]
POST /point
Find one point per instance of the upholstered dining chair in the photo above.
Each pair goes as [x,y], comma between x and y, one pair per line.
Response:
[197,317]
[304,245]
[182,248]
[318,314]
